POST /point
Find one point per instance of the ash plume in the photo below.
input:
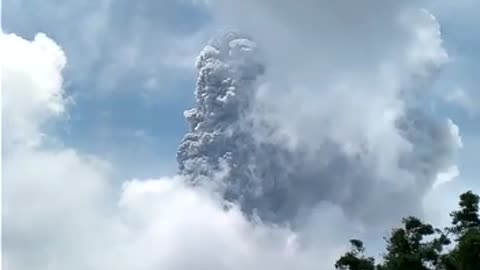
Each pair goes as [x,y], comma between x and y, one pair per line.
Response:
[230,147]
[220,140]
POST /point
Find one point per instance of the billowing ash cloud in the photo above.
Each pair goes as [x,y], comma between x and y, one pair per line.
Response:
[248,156]
[221,146]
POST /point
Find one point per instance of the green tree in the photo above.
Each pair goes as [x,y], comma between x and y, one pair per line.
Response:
[466,227]
[419,246]
[467,217]
[408,249]
[355,258]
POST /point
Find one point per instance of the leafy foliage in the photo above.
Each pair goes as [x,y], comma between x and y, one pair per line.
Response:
[354,259]
[416,245]
[467,217]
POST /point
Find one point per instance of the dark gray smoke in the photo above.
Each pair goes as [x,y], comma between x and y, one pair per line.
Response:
[276,182]
[220,138]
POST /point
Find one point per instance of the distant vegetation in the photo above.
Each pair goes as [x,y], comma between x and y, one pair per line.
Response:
[419,246]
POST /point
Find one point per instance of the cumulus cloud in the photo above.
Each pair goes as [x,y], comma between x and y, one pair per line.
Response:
[463,100]
[308,130]
[47,192]
[33,86]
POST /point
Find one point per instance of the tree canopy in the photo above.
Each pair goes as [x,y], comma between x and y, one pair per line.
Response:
[416,245]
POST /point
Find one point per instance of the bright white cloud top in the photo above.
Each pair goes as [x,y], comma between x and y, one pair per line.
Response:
[32,81]
[307,130]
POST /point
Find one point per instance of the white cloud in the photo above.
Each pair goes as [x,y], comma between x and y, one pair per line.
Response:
[462,99]
[52,201]
[455,133]
[32,84]
[201,234]
[48,194]
[449,175]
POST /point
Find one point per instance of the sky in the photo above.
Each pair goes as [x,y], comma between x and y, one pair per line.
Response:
[94,94]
